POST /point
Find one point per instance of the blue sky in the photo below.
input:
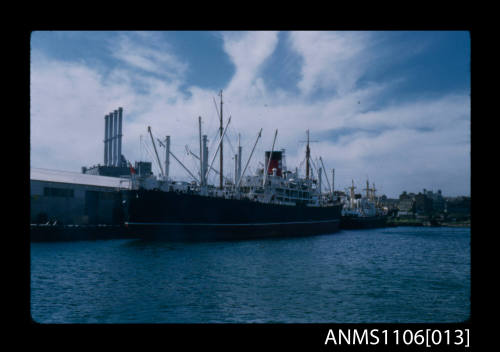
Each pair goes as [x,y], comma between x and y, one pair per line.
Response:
[390,106]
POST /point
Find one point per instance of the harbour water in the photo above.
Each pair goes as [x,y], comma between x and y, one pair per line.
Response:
[394,275]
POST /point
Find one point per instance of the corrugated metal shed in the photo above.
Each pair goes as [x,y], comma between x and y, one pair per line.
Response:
[78,178]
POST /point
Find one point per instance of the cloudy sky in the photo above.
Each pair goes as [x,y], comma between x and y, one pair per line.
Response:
[390,106]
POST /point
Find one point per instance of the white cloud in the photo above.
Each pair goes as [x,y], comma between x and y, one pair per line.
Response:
[248,51]
[403,152]
[331,59]
[155,59]
[425,143]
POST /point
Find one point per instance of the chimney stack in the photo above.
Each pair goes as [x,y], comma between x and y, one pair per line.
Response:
[119,157]
[110,139]
[106,131]
[115,139]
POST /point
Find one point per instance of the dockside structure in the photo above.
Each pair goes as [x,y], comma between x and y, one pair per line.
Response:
[62,197]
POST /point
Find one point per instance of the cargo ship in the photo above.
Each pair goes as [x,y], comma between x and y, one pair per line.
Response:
[273,202]
[362,212]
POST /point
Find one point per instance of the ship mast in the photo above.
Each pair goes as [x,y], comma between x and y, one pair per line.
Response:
[367,189]
[218,147]
[238,172]
[221,150]
[326,176]
[201,152]
[352,195]
[308,154]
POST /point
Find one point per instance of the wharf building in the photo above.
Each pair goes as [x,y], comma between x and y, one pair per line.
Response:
[63,198]
[458,208]
[406,204]
[91,197]
[389,204]
[428,203]
[437,200]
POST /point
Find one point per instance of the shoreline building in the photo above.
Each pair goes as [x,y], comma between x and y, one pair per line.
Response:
[63,197]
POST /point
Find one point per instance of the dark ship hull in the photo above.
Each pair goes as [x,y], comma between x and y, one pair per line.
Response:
[362,222]
[153,214]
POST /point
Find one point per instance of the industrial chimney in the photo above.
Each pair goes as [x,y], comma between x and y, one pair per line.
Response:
[115,139]
[110,140]
[119,157]
[106,131]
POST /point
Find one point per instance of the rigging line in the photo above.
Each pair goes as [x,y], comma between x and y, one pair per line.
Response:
[216,107]
[249,143]
[227,138]
[150,157]
[146,149]
[214,139]
[218,119]
[154,162]
[193,161]
[230,144]
[211,121]
[313,164]
[158,166]
[301,163]
[140,146]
